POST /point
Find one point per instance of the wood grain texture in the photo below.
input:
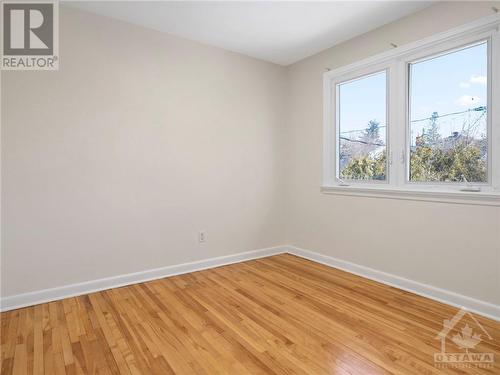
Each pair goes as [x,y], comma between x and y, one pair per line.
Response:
[277,315]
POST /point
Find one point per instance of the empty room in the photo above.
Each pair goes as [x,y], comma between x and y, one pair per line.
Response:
[250,187]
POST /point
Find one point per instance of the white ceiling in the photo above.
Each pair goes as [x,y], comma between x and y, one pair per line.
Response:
[277,31]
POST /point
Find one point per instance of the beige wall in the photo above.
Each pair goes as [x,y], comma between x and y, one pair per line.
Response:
[455,247]
[114,163]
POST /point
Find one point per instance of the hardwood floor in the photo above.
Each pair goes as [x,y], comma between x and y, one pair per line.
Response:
[277,315]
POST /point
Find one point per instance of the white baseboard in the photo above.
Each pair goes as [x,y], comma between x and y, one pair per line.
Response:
[454,299]
[53,294]
[486,309]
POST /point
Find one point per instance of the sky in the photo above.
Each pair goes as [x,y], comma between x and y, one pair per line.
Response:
[360,101]
[449,83]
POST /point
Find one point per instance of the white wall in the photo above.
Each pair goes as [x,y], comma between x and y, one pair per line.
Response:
[454,247]
[114,163]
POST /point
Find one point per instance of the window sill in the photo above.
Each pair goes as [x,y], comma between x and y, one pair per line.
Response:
[481,198]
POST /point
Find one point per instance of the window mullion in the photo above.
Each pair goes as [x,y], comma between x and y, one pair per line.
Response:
[397,135]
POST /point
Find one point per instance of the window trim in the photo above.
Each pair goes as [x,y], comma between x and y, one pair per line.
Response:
[396,62]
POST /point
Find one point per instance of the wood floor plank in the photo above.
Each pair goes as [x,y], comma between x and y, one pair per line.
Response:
[277,315]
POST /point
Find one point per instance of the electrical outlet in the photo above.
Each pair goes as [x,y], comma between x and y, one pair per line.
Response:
[202,236]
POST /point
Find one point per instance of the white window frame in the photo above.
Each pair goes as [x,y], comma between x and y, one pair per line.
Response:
[349,77]
[396,63]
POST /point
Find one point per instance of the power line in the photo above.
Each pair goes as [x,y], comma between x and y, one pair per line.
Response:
[477,120]
[360,141]
[477,109]
[359,130]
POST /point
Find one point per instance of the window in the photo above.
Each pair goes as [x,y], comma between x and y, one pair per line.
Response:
[421,121]
[448,116]
[362,123]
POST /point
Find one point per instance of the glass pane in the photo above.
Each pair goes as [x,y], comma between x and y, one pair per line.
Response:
[448,117]
[362,122]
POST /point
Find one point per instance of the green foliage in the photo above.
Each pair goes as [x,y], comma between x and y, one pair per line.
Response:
[426,164]
[446,160]
[431,135]
[372,131]
[363,162]
[433,158]
[365,168]
[452,165]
